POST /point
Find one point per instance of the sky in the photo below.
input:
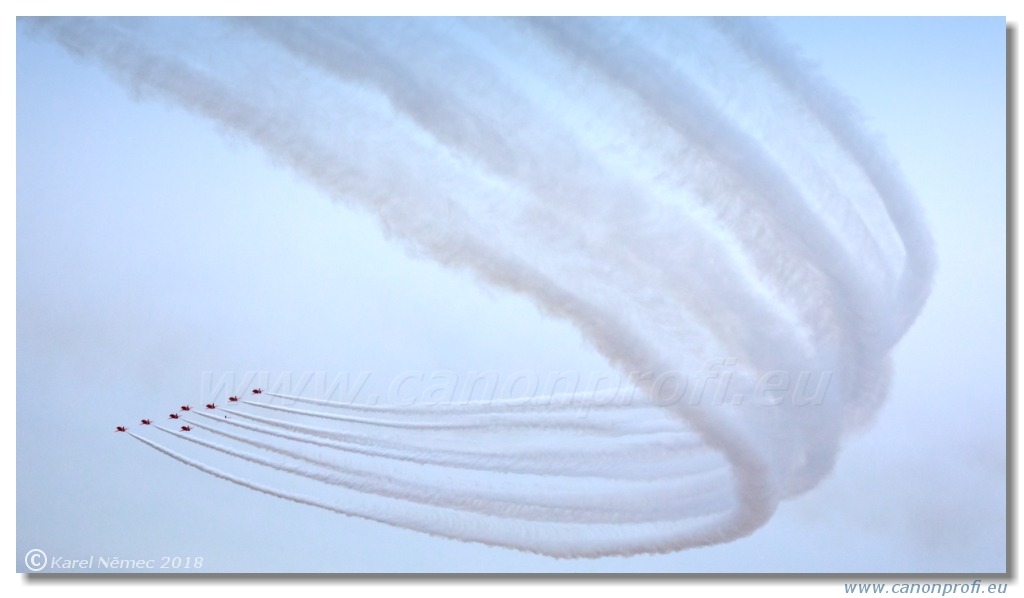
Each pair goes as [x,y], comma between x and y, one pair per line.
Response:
[159,255]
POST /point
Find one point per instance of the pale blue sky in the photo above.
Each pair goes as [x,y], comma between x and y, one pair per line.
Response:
[153,248]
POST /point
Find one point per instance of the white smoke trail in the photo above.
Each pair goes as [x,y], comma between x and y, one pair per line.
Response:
[685,192]
[519,496]
[596,539]
[597,400]
[494,421]
[665,455]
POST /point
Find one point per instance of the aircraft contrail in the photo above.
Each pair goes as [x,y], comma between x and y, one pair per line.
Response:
[664,455]
[690,194]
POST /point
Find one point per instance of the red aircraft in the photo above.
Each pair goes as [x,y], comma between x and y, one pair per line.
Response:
[122,429]
[146,422]
[174,416]
[186,428]
[211,405]
[257,391]
[233,399]
[185,408]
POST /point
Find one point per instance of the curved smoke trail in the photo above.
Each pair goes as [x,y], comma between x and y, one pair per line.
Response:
[694,199]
